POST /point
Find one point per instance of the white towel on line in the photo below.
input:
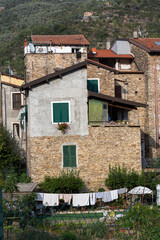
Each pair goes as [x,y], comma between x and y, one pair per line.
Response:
[81,200]
[122,190]
[50,199]
[114,194]
[92,197]
[39,196]
[107,197]
[99,195]
[66,197]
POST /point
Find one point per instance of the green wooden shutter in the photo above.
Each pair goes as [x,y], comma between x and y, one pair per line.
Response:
[95,111]
[69,156]
[60,112]
[72,152]
[65,156]
[92,85]
[64,112]
[56,112]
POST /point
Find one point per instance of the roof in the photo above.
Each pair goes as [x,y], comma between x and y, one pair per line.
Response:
[79,40]
[10,84]
[115,101]
[11,80]
[107,53]
[60,73]
[112,69]
[148,44]
[54,75]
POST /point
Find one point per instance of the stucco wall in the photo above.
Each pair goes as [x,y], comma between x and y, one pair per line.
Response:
[103,147]
[9,116]
[72,88]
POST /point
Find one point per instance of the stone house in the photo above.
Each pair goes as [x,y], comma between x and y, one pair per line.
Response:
[48,53]
[146,53]
[73,96]
[11,102]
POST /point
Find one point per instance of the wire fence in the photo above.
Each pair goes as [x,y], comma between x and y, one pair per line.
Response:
[31,220]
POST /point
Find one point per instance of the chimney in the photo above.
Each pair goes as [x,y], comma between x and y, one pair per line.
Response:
[149,44]
[93,50]
[108,43]
[135,34]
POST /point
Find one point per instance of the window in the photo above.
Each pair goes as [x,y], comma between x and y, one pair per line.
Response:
[118,90]
[60,112]
[16,130]
[69,156]
[16,101]
[93,85]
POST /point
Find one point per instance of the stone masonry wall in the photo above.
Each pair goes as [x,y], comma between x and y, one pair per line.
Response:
[39,65]
[104,145]
[150,64]
[135,90]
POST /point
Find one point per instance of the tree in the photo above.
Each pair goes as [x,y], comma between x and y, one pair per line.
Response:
[10,154]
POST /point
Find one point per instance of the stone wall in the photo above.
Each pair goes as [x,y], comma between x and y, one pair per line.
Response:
[103,147]
[150,64]
[135,89]
[39,65]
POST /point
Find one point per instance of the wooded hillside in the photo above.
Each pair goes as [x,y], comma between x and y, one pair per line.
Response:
[114,18]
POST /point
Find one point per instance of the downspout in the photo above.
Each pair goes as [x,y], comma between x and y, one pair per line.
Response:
[156,109]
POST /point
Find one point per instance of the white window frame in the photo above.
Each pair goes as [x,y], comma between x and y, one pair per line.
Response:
[98,82]
[70,144]
[52,111]
[19,129]
[12,100]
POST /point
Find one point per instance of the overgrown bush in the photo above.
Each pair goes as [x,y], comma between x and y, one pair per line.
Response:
[156,162]
[9,151]
[120,177]
[141,222]
[67,182]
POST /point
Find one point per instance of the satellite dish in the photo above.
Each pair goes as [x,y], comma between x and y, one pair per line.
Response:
[31,47]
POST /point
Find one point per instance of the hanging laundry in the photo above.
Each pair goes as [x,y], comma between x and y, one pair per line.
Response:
[107,197]
[80,200]
[50,199]
[39,197]
[99,195]
[92,198]
[114,194]
[122,190]
[66,197]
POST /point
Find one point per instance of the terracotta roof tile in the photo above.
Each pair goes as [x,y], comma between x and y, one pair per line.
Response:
[60,39]
[107,53]
[148,44]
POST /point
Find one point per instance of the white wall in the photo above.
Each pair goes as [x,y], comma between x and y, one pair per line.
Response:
[73,88]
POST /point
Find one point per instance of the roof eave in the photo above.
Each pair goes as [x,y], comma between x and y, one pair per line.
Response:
[120,101]
[53,76]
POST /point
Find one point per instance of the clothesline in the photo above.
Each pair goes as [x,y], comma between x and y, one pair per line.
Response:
[79,199]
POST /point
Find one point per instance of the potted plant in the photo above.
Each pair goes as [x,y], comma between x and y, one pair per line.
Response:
[63,127]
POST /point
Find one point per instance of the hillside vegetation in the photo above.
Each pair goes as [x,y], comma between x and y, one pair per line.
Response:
[114,18]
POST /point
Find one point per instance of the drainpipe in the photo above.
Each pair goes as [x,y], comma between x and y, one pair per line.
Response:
[126,83]
[156,108]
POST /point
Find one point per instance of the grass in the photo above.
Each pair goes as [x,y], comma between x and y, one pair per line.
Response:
[75,216]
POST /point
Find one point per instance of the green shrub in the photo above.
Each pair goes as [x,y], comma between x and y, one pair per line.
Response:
[156,162]
[120,177]
[142,220]
[69,182]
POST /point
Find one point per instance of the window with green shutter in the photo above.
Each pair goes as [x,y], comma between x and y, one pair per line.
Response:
[60,112]
[92,85]
[69,156]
